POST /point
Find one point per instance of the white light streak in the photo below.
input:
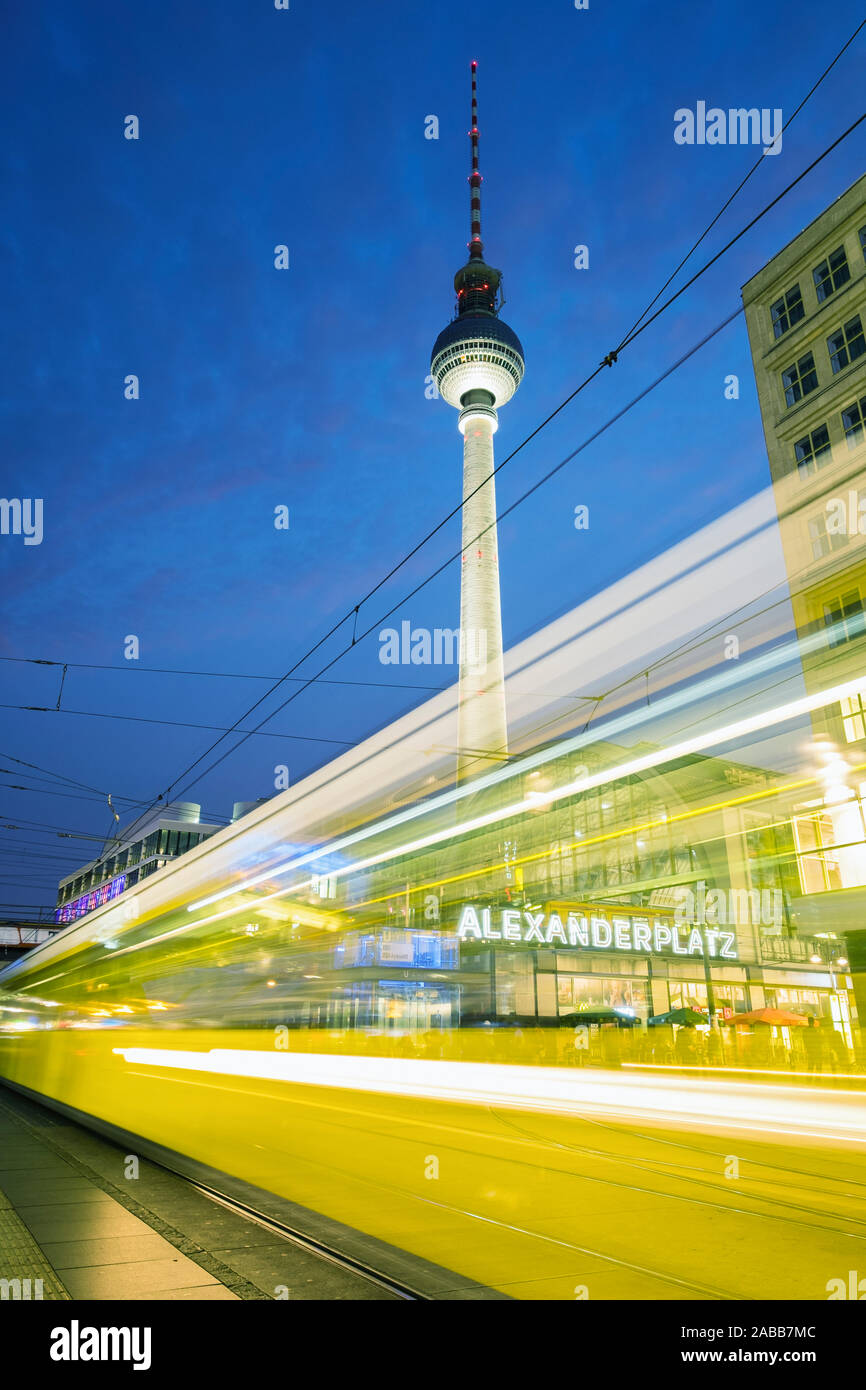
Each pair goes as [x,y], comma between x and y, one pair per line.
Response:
[822,1114]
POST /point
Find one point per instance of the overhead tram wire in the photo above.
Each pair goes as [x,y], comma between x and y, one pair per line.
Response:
[67,832]
[243,675]
[694,642]
[688,645]
[118,801]
[45,877]
[451,558]
[73,782]
[608,360]
[63,831]
[36,844]
[522,498]
[741,185]
[131,801]
[662,660]
[217,675]
[45,785]
[636,332]
[174,724]
[67,796]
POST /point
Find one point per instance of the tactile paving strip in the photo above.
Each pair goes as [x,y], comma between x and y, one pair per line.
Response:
[24,1271]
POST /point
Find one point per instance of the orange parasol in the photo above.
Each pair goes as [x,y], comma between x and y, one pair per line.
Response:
[780,1017]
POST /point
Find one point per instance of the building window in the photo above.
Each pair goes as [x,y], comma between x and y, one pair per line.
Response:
[787,311]
[830,842]
[398,946]
[818,865]
[799,379]
[853,421]
[846,344]
[822,540]
[853,710]
[862,235]
[575,993]
[831,274]
[844,619]
[813,451]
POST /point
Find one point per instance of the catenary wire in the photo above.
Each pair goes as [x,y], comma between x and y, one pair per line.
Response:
[626,342]
[741,185]
[609,359]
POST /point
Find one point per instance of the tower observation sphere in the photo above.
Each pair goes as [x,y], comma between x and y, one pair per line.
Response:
[477,365]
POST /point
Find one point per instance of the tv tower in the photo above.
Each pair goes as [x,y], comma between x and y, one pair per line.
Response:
[477,365]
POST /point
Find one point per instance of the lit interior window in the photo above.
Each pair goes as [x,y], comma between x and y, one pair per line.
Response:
[853,709]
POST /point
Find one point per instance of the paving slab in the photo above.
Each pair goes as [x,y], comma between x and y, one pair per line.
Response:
[129,1281]
[108,1250]
[208,1293]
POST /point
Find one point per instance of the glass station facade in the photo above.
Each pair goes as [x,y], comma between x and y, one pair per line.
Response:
[654,893]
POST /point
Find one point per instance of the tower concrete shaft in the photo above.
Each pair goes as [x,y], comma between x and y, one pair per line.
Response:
[482,727]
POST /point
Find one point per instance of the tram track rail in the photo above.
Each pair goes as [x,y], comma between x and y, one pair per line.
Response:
[675,1172]
[284,1231]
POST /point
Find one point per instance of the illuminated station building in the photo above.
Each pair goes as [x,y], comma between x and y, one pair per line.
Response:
[148,845]
[806,316]
[652,893]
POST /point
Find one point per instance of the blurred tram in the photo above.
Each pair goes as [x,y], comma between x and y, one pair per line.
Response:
[288,1001]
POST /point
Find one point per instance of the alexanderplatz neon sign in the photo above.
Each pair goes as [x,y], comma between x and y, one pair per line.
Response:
[616,932]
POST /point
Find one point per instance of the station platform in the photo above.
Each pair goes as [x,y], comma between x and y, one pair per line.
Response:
[75,1224]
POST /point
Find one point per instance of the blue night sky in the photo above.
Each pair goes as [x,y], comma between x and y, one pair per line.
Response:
[306,387]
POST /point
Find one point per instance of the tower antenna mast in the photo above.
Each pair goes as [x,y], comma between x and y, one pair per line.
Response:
[476,246]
